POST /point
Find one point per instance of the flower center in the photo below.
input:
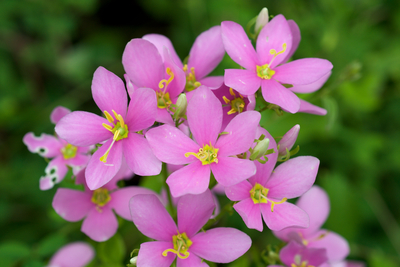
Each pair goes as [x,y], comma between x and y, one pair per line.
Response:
[207,154]
[237,104]
[163,99]
[119,129]
[69,151]
[299,262]
[181,245]
[101,197]
[191,82]
[259,195]
[264,71]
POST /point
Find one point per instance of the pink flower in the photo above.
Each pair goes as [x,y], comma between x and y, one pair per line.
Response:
[145,68]
[63,153]
[120,129]
[95,207]
[316,203]
[220,245]
[208,152]
[276,42]
[205,54]
[77,254]
[266,193]
[297,255]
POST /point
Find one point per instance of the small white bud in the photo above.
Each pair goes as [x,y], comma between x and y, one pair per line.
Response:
[262,20]
[260,149]
[181,105]
[133,261]
[288,140]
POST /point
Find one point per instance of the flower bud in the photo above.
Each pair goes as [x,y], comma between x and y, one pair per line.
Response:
[133,261]
[180,109]
[262,20]
[260,149]
[288,140]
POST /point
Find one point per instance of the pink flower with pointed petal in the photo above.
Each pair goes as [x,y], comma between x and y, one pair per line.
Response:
[220,245]
[288,140]
[95,207]
[208,152]
[205,54]
[316,203]
[63,154]
[119,129]
[145,67]
[297,255]
[233,103]
[77,254]
[266,193]
[275,44]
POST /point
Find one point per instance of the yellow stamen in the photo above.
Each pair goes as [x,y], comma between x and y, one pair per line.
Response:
[227,101]
[191,82]
[207,154]
[104,157]
[264,71]
[181,245]
[259,195]
[231,92]
[108,116]
[108,127]
[161,83]
[69,151]
[100,197]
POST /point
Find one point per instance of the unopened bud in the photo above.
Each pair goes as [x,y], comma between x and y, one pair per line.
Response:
[133,261]
[260,149]
[181,105]
[262,20]
[288,140]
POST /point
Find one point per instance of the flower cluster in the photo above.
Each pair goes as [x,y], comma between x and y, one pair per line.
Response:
[207,130]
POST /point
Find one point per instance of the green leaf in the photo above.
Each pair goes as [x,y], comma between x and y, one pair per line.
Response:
[11,252]
[112,251]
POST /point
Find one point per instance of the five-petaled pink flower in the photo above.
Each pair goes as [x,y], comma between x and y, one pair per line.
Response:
[120,129]
[220,245]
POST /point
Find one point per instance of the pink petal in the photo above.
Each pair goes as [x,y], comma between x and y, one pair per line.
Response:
[72,205]
[250,213]
[275,93]
[46,183]
[244,81]
[129,85]
[143,63]
[315,202]
[238,45]
[120,199]
[212,82]
[81,128]
[229,170]
[109,92]
[139,156]
[161,41]
[170,145]
[273,36]
[337,248]
[206,52]
[191,179]
[307,107]
[142,109]
[293,177]
[57,113]
[302,71]
[191,261]
[221,245]
[311,87]
[77,254]
[163,116]
[99,173]
[194,211]
[79,161]
[56,170]
[297,252]
[296,37]
[45,145]
[178,83]
[239,134]
[288,139]
[204,113]
[284,215]
[238,191]
[150,254]
[100,225]
[151,218]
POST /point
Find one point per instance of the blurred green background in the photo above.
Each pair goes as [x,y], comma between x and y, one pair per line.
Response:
[50,49]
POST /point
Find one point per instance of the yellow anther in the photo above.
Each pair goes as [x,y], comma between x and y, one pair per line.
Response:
[273,203]
[69,151]
[181,245]
[231,92]
[264,71]
[185,68]
[100,197]
[108,116]
[259,195]
[227,101]
[108,127]
[171,77]
[207,154]
[191,82]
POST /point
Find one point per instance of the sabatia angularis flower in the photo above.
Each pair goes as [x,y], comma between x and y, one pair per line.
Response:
[266,193]
[316,203]
[297,255]
[63,153]
[183,242]
[95,207]
[120,129]
[206,53]
[77,254]
[275,44]
[208,152]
